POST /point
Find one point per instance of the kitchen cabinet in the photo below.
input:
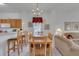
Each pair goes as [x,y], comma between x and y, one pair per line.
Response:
[18,23]
[14,23]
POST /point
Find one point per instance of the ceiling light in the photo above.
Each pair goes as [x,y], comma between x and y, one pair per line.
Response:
[37,8]
[36,11]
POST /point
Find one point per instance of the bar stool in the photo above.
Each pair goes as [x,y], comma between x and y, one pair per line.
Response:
[29,36]
[30,45]
[16,43]
[25,37]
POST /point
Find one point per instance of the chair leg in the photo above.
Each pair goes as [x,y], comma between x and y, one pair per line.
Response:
[21,46]
[8,48]
[25,41]
[18,48]
[14,46]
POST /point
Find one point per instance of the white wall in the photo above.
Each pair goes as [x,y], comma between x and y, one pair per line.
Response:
[55,18]
[51,21]
[25,16]
[8,15]
[49,17]
[61,17]
[28,17]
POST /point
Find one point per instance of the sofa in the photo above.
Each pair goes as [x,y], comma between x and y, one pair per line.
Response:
[67,47]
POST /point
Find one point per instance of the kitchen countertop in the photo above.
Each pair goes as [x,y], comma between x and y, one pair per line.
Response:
[3,41]
[5,33]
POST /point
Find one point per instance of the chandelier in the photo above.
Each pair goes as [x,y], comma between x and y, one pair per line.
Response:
[36,11]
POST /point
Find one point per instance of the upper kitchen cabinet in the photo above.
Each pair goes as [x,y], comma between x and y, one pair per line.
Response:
[4,21]
[14,23]
[19,23]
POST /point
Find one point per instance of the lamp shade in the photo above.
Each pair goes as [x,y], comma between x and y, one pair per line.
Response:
[37,20]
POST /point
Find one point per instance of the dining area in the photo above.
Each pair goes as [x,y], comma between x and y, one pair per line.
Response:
[17,41]
[16,44]
[22,37]
[40,46]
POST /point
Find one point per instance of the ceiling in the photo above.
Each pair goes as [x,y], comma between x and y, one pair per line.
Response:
[47,7]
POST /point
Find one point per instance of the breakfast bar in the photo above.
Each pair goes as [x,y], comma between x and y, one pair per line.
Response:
[3,41]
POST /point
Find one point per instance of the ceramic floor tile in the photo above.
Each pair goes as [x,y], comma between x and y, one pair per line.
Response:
[25,52]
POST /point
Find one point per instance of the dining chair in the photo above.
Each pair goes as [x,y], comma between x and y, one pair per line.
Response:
[15,43]
[25,37]
[50,35]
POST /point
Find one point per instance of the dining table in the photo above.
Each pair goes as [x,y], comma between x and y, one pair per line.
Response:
[40,45]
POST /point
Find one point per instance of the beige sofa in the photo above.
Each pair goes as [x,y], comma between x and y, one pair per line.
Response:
[67,47]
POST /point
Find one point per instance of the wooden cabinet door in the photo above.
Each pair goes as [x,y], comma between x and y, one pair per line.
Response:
[19,25]
[3,20]
[13,23]
[8,21]
[0,20]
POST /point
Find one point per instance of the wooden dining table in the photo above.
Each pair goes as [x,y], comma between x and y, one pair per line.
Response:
[40,46]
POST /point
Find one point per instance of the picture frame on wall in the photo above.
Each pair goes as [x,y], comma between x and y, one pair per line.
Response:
[46,26]
[30,24]
[67,27]
[76,27]
[72,26]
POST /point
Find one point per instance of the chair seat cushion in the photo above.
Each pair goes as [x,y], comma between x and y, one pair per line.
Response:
[11,39]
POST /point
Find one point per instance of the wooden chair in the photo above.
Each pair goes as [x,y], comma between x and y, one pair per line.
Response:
[49,46]
[30,45]
[25,37]
[16,43]
[29,35]
[38,46]
[50,35]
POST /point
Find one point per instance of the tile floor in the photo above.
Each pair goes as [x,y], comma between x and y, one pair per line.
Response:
[26,52]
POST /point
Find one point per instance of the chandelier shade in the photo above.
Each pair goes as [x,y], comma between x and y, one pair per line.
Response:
[37,20]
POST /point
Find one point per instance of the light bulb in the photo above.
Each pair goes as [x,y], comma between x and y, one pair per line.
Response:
[33,10]
[34,13]
[37,8]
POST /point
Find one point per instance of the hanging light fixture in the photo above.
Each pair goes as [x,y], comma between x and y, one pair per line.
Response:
[37,21]
[36,11]
[37,14]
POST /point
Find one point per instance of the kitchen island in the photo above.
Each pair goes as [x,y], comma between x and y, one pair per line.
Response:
[3,41]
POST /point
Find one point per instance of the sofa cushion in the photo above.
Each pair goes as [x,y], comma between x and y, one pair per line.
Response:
[74,35]
[69,36]
[75,45]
